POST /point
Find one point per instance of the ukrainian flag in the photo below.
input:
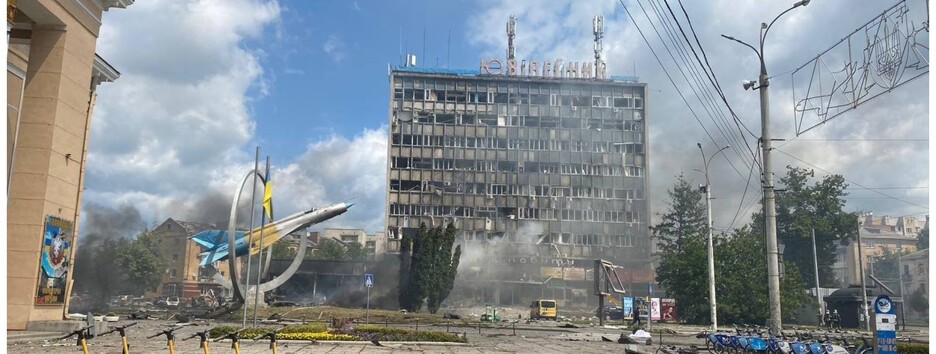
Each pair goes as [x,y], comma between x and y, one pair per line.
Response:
[268,196]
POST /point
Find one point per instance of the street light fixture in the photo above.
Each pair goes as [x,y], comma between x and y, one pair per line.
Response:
[770,207]
[707,189]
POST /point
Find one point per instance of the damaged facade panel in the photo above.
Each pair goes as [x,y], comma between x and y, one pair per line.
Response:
[540,177]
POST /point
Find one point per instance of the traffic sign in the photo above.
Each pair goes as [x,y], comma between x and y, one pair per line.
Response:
[885,326]
[369,280]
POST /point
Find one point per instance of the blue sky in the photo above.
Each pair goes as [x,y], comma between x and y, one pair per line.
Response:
[203,82]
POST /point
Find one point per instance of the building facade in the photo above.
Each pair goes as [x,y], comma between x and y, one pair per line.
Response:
[375,244]
[52,73]
[880,235]
[184,277]
[542,172]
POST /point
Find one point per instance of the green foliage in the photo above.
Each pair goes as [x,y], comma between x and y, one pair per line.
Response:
[95,273]
[685,220]
[143,262]
[405,334]
[313,327]
[281,250]
[740,266]
[802,207]
[923,239]
[683,268]
[918,301]
[330,250]
[427,272]
[355,252]
[912,348]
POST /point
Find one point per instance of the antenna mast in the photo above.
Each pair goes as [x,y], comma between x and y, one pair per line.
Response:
[511,32]
[598,30]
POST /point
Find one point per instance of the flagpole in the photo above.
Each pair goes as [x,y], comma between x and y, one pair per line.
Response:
[260,253]
[253,194]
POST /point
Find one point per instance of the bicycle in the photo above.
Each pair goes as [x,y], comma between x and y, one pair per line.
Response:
[123,336]
[82,338]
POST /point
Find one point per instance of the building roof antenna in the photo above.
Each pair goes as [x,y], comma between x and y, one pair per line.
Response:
[511,32]
[598,30]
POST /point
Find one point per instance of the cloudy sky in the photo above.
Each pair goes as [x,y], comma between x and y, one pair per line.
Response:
[205,82]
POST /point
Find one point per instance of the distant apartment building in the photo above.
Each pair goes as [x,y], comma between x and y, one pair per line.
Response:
[375,244]
[542,167]
[916,274]
[879,235]
[184,277]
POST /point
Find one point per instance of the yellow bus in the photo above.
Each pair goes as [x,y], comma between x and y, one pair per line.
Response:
[543,309]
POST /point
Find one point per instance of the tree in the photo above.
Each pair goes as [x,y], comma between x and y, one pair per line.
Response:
[741,271]
[923,238]
[281,250]
[95,273]
[686,218]
[445,267]
[143,261]
[404,294]
[740,268]
[427,268]
[355,252]
[330,250]
[680,237]
[918,301]
[802,208]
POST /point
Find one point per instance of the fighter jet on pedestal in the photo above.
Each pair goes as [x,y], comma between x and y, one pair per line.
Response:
[215,242]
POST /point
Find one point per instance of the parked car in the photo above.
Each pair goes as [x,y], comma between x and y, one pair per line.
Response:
[172,301]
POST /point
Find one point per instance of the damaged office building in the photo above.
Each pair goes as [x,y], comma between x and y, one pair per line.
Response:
[541,166]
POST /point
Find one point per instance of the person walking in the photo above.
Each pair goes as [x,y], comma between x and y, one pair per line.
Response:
[636,312]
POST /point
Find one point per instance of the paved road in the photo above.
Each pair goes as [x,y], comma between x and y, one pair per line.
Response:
[543,337]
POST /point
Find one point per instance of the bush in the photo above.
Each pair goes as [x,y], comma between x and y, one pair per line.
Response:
[912,348]
[317,336]
[372,332]
[312,327]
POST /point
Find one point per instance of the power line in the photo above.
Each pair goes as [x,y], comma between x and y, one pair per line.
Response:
[860,139]
[672,81]
[692,87]
[851,182]
[735,218]
[697,77]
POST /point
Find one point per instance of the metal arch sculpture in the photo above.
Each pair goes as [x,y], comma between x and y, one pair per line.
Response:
[239,290]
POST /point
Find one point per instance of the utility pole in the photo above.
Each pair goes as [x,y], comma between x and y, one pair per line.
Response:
[816,269]
[903,298]
[864,288]
[770,207]
[707,189]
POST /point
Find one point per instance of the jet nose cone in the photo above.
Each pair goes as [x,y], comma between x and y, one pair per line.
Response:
[349,206]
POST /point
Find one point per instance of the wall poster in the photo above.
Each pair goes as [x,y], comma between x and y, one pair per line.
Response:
[54,259]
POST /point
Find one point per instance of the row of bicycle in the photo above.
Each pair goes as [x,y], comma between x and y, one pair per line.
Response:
[754,340]
[83,335]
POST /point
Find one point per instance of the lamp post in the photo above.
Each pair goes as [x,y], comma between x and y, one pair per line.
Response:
[770,208]
[707,189]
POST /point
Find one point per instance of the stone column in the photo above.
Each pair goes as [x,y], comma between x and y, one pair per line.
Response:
[49,157]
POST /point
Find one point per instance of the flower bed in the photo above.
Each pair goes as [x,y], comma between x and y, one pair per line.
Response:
[318,331]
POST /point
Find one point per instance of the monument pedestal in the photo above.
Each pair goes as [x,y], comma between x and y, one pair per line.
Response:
[251,295]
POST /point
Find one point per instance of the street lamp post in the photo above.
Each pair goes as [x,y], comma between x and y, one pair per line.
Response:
[711,248]
[770,208]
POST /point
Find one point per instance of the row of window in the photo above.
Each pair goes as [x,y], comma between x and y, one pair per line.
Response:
[514,98]
[515,190]
[524,121]
[399,209]
[411,140]
[562,239]
[573,169]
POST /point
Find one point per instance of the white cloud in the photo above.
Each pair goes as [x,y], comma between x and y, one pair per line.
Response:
[335,48]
